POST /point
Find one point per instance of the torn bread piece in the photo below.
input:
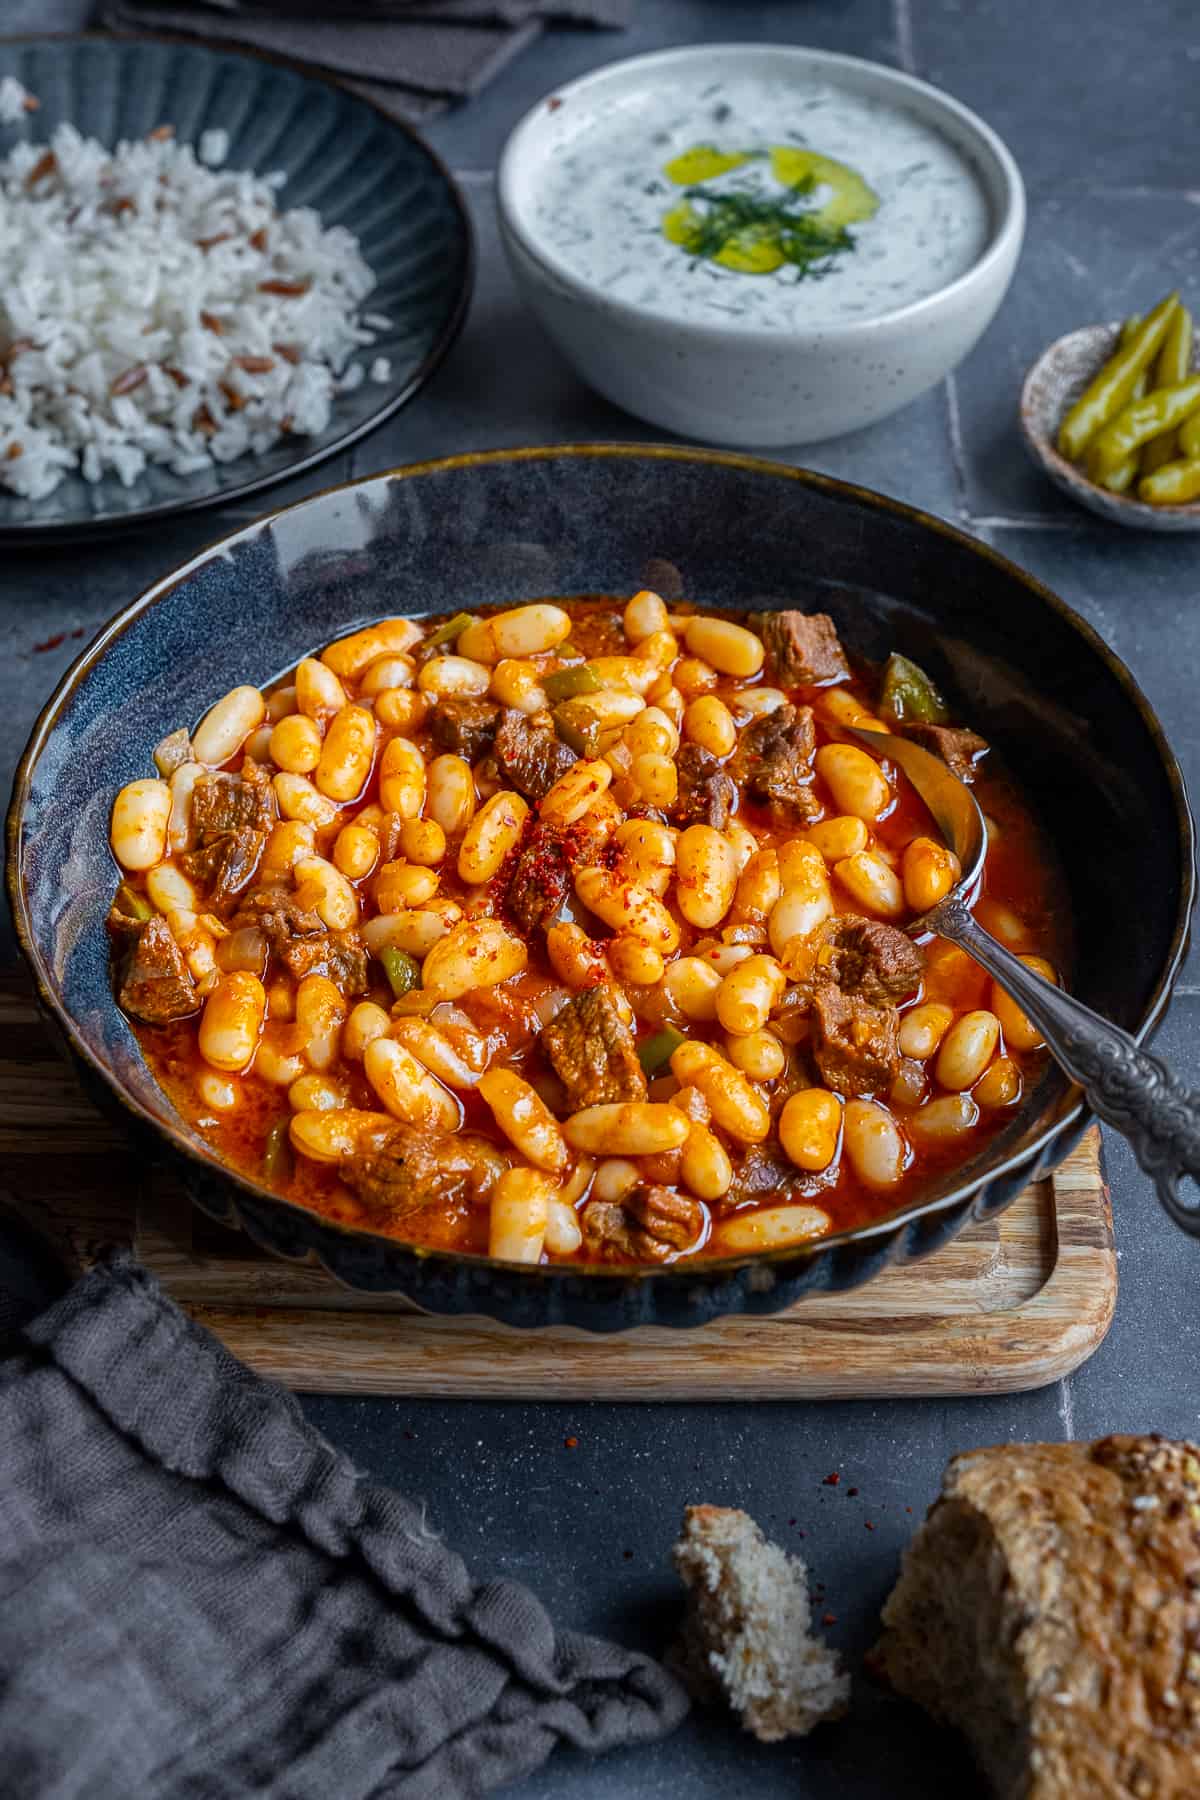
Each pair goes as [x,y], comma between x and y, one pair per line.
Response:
[746,1636]
[1049,1607]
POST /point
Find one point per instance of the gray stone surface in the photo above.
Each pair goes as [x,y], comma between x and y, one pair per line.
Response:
[1097,103]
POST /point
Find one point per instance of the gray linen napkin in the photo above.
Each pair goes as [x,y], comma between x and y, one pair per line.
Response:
[200,1597]
[412,57]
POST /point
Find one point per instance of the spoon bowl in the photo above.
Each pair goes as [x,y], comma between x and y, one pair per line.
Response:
[1125,1085]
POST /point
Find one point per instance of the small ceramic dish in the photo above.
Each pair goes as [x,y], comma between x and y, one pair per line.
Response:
[355,165]
[731,369]
[1052,386]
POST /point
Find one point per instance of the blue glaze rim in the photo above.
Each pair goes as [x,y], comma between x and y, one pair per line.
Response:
[595,1298]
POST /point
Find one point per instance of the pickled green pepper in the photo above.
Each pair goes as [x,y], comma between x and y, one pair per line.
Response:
[1163,409]
[1113,387]
[1173,366]
[1172,485]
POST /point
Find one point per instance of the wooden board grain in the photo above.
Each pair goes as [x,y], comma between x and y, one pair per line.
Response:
[1007,1306]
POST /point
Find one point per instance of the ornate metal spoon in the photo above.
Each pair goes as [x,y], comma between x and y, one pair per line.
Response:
[1127,1087]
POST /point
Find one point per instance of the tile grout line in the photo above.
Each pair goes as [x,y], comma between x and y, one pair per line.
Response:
[958,457]
[1066,1408]
[905,49]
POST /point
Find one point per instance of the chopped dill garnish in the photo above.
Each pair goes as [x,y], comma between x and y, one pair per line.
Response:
[739,223]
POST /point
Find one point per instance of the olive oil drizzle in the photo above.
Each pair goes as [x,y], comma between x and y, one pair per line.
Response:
[755,232]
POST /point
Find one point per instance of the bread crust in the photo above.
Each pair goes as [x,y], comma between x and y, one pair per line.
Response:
[746,1637]
[1049,1607]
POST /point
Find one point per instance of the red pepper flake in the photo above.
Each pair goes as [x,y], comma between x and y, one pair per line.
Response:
[211,323]
[289,289]
[831,1480]
[851,1493]
[908,1509]
[802,1534]
[791,1521]
[628,1555]
[45,165]
[123,205]
[6,386]
[571,1443]
[78,631]
[290,352]
[553,103]
[15,450]
[409,1435]
[177,376]
[30,103]
[258,239]
[868,1525]
[254,365]
[203,422]
[206,244]
[51,643]
[160,134]
[233,399]
[829,1618]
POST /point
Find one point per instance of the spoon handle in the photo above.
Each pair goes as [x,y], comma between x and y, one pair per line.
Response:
[1127,1087]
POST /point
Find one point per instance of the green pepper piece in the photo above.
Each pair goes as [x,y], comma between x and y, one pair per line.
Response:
[451,629]
[1172,485]
[567,684]
[402,971]
[129,904]
[277,1152]
[908,693]
[579,726]
[1110,391]
[655,1052]
[1163,409]
[1173,366]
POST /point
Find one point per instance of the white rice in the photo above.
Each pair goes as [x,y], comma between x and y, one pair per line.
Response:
[124,326]
[15,101]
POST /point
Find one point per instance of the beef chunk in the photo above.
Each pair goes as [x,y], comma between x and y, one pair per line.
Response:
[299,940]
[464,727]
[957,748]
[530,754]
[802,648]
[228,802]
[855,1043]
[227,864]
[417,1170]
[870,959]
[155,984]
[591,1051]
[706,793]
[646,1226]
[774,761]
[540,881]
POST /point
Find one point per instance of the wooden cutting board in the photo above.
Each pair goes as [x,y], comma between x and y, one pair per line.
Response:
[1007,1306]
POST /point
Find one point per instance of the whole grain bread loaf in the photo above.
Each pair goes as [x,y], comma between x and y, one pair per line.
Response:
[746,1636]
[1049,1607]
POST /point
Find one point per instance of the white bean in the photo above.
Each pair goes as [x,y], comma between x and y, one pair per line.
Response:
[227,725]
[140,815]
[874,1143]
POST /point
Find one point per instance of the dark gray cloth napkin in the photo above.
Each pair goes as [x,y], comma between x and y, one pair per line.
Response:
[412,57]
[201,1599]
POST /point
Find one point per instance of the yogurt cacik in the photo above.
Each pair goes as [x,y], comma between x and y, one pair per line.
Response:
[779,203]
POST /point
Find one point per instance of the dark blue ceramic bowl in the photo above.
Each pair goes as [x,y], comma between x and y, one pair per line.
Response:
[355,165]
[603,518]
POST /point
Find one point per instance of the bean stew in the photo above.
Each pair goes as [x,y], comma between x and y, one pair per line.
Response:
[576,933]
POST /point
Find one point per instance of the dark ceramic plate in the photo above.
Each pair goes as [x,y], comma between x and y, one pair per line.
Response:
[340,154]
[519,524]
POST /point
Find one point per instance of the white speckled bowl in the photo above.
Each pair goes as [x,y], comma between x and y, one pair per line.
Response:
[737,383]
[1052,386]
